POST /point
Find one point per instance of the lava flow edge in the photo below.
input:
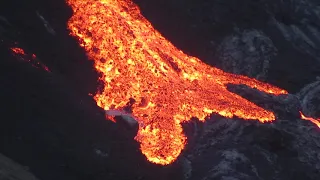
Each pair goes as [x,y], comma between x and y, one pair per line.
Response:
[168,87]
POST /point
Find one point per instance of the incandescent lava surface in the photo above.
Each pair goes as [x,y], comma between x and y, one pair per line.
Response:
[167,86]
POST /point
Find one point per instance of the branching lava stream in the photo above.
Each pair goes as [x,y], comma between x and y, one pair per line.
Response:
[168,86]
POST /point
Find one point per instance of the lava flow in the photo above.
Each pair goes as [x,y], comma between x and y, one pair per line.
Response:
[22,55]
[315,121]
[165,85]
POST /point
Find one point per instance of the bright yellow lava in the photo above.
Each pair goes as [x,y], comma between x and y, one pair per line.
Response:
[169,87]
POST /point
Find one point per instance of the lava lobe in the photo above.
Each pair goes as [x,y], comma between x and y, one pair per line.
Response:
[168,86]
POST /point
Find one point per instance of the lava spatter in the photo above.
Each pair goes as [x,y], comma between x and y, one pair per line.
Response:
[22,55]
[168,86]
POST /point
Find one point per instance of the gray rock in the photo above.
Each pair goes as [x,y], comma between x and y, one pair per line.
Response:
[186,167]
[231,149]
[124,119]
[10,170]
[310,99]
[298,21]
[3,23]
[285,149]
[46,24]
[247,53]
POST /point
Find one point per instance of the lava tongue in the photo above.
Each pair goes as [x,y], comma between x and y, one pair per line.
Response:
[140,63]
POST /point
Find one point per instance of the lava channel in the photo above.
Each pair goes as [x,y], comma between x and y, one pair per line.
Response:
[315,121]
[168,86]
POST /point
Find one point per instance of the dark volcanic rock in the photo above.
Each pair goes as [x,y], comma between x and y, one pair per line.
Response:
[238,149]
[284,106]
[10,170]
[200,27]
[61,134]
[50,123]
[310,99]
[247,53]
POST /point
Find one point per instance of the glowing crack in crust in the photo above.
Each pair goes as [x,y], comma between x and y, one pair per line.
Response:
[169,87]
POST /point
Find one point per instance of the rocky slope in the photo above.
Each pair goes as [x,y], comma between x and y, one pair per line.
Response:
[239,149]
[54,127]
[226,30]
[10,170]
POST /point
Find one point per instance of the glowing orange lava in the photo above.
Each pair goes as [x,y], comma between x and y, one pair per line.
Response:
[315,121]
[18,51]
[169,87]
[31,59]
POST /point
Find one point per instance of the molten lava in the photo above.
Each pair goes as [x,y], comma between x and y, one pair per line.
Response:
[168,86]
[18,51]
[22,55]
[315,121]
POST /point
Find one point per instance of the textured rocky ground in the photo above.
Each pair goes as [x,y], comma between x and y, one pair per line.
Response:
[238,149]
[50,124]
[9,170]
[219,30]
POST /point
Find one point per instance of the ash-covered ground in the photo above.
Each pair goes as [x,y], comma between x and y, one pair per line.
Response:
[51,126]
